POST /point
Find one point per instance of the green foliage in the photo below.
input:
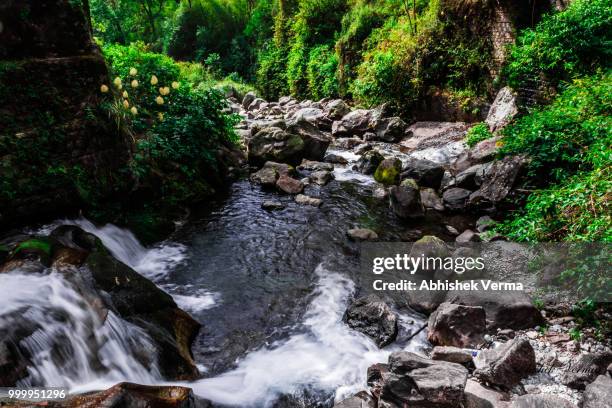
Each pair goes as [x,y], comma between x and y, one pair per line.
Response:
[321,72]
[564,45]
[477,133]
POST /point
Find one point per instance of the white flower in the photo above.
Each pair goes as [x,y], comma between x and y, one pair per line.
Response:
[159,100]
[133,71]
[154,80]
[134,83]
[117,82]
[160,116]
[175,85]
[126,104]
[134,110]
[104,89]
[125,94]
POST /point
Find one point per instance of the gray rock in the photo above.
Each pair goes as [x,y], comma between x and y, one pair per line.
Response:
[265,176]
[507,364]
[283,169]
[354,123]
[275,144]
[347,142]
[312,115]
[598,394]
[585,369]
[485,223]
[289,185]
[337,109]
[360,400]
[541,401]
[362,148]
[248,99]
[500,177]
[457,325]
[374,318]
[321,177]
[478,396]
[472,177]
[418,382]
[452,354]
[307,200]
[503,110]
[425,172]
[271,205]
[335,158]
[315,141]
[388,171]
[362,234]
[369,162]
[388,130]
[431,200]
[455,199]
[256,104]
[405,200]
[467,236]
[311,165]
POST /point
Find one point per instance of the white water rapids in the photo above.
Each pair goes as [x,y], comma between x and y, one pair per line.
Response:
[323,354]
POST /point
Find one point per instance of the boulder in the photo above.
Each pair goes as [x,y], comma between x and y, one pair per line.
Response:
[335,158]
[467,236]
[129,395]
[388,171]
[478,396]
[374,318]
[452,354]
[598,394]
[425,172]
[347,142]
[499,178]
[265,176]
[362,148]
[314,116]
[507,364]
[485,223]
[289,185]
[354,123]
[586,369]
[321,177]
[415,381]
[472,177]
[455,199]
[360,400]
[256,104]
[503,109]
[430,199]
[248,99]
[390,130]
[271,205]
[310,165]
[362,234]
[277,145]
[283,169]
[315,141]
[541,401]
[369,162]
[307,200]
[405,200]
[337,109]
[457,325]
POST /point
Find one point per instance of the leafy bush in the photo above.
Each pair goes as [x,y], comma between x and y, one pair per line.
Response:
[321,72]
[477,133]
[271,73]
[564,45]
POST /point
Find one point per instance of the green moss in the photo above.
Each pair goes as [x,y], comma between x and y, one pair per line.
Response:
[40,245]
[388,172]
[477,134]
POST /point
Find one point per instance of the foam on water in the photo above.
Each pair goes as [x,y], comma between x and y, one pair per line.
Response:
[324,355]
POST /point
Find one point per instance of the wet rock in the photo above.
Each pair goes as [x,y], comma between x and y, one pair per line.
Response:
[129,395]
[388,130]
[66,257]
[451,354]
[337,109]
[74,237]
[307,200]
[598,394]
[483,152]
[541,401]
[586,369]
[467,236]
[315,141]
[455,199]
[418,382]
[265,176]
[256,104]
[283,169]
[354,123]
[321,177]
[335,158]
[485,223]
[362,148]
[388,171]
[457,325]
[504,310]
[248,99]
[374,318]
[405,200]
[38,250]
[472,177]
[425,172]
[360,400]
[347,142]
[310,165]
[507,364]
[362,234]
[431,200]
[369,162]
[271,205]
[276,145]
[314,116]
[13,364]
[503,110]
[380,193]
[478,396]
[289,185]
[498,180]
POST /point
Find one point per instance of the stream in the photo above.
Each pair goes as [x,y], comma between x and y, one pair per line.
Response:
[269,288]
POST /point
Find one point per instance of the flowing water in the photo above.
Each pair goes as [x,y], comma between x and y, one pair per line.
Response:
[270,289]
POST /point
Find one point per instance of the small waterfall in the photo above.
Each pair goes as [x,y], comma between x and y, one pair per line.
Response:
[70,342]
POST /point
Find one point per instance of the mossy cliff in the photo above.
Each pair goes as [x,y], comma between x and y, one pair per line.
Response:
[58,149]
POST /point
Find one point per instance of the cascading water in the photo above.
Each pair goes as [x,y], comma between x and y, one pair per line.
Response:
[70,342]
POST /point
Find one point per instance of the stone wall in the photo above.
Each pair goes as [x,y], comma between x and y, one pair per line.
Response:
[59,145]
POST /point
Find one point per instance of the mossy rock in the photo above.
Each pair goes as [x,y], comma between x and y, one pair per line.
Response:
[388,171]
[40,249]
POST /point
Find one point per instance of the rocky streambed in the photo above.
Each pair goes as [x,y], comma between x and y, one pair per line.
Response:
[257,300]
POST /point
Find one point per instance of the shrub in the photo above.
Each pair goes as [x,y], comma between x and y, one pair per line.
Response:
[477,133]
[563,45]
[321,72]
